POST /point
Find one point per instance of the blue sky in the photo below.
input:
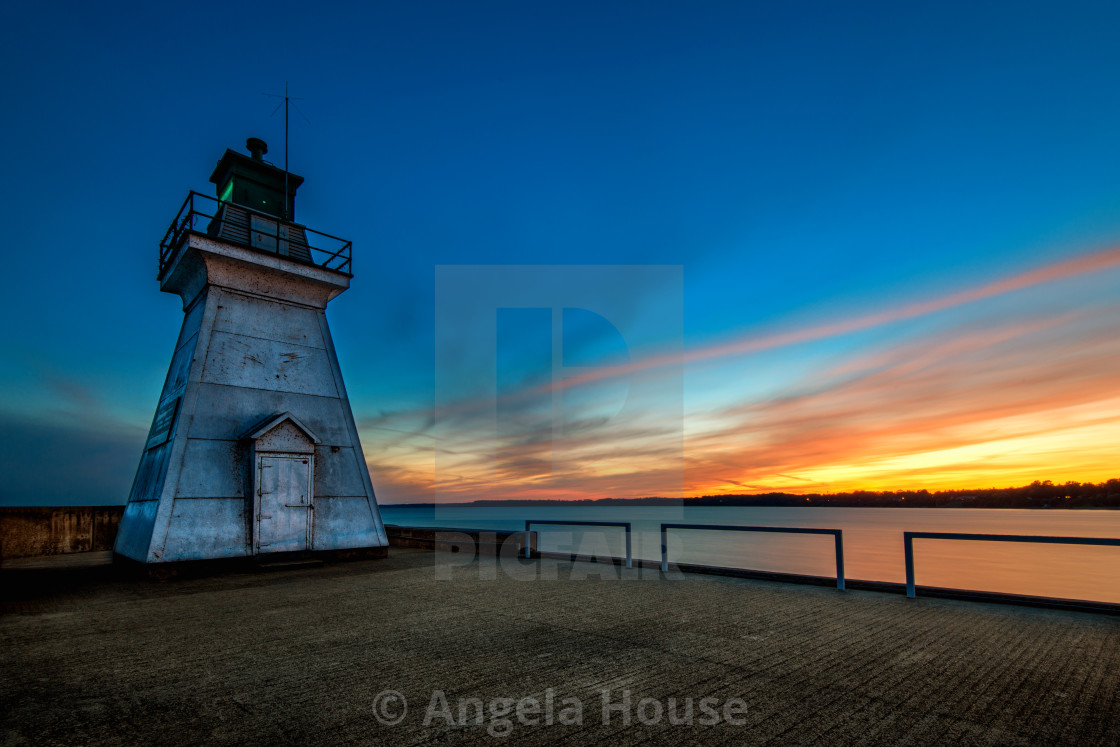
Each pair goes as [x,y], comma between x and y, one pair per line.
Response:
[799,162]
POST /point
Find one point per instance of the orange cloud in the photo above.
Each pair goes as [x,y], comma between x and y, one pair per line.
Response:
[1002,401]
[1020,401]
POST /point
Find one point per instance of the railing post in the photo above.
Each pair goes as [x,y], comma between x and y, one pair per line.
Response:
[908,545]
[629,556]
[624,524]
[839,560]
[664,552]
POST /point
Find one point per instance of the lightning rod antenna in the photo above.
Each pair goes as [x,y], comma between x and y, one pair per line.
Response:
[286,99]
[286,213]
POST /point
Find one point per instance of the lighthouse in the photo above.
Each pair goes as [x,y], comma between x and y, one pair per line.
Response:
[253,449]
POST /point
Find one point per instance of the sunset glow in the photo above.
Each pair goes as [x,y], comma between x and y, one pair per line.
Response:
[1008,382]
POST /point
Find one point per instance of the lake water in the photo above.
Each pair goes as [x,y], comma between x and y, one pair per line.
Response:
[873,547]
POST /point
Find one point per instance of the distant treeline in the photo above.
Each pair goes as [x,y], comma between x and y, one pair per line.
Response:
[1044,494]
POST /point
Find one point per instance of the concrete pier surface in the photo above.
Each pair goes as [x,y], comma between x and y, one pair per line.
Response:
[304,654]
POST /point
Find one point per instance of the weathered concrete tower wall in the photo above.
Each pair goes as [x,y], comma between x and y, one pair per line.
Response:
[253,448]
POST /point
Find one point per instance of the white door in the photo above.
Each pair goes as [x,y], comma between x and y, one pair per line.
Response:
[284,506]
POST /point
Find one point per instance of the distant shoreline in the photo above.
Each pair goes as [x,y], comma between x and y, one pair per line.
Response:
[686,502]
[1037,495]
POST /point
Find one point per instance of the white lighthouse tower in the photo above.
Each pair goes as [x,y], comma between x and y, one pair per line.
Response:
[253,449]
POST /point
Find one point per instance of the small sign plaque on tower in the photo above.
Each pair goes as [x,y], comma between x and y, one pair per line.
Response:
[165,419]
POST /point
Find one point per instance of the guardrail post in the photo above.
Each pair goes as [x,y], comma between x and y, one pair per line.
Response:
[908,545]
[556,522]
[839,560]
[664,552]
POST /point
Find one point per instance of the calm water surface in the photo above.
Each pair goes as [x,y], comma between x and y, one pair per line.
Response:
[872,542]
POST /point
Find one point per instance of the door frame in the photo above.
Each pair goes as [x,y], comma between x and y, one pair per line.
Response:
[258,458]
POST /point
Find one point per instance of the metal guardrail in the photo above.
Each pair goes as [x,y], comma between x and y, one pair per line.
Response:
[836,533]
[626,524]
[200,215]
[909,537]
[908,541]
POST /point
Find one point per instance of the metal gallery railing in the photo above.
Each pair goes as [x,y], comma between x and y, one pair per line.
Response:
[624,524]
[837,534]
[253,229]
[909,537]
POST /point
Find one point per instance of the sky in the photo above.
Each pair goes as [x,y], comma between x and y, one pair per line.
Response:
[600,249]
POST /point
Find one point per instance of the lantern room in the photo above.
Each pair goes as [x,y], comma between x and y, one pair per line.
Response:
[252,182]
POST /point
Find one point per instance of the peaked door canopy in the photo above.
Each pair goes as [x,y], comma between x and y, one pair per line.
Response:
[262,428]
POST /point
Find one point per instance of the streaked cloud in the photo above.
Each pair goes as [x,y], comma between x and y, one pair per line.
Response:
[1010,403]
[1000,395]
[1088,263]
